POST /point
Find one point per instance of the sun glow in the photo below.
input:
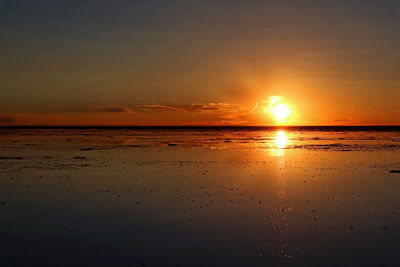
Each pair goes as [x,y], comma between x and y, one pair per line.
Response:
[278,110]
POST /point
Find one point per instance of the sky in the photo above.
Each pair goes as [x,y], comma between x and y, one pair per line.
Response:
[209,62]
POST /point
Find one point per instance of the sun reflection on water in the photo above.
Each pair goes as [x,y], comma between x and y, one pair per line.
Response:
[279,214]
[281,140]
[279,143]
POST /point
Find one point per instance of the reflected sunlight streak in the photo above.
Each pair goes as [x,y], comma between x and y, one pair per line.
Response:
[281,140]
[279,143]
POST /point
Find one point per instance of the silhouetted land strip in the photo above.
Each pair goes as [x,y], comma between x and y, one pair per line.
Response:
[382,128]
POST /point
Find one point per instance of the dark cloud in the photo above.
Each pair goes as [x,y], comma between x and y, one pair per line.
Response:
[210,107]
[112,109]
[6,119]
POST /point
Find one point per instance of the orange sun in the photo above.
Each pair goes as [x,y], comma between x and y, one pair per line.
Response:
[278,110]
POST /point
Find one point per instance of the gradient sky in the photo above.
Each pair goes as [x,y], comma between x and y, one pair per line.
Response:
[198,62]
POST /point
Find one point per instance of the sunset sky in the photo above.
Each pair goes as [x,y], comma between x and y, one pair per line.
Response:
[214,62]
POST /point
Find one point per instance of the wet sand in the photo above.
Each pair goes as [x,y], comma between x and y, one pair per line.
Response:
[176,197]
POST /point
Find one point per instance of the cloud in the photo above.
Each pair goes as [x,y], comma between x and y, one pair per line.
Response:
[266,104]
[210,107]
[6,119]
[233,119]
[111,109]
[217,113]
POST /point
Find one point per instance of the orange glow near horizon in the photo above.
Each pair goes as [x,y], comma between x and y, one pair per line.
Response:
[257,111]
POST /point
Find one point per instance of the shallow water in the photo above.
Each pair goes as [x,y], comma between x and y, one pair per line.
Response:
[177,197]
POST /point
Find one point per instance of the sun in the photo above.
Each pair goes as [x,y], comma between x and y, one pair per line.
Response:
[280,112]
[277,109]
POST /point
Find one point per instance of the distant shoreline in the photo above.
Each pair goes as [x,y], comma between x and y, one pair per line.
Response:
[337,128]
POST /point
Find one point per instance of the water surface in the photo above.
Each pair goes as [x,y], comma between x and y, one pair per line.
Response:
[200,197]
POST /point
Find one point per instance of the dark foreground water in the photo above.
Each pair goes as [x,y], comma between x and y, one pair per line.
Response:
[200,197]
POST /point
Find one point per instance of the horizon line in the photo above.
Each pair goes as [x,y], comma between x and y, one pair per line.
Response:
[190,126]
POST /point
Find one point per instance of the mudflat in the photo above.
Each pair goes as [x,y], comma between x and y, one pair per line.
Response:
[199,197]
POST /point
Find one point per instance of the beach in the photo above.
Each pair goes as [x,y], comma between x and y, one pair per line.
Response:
[200,196]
